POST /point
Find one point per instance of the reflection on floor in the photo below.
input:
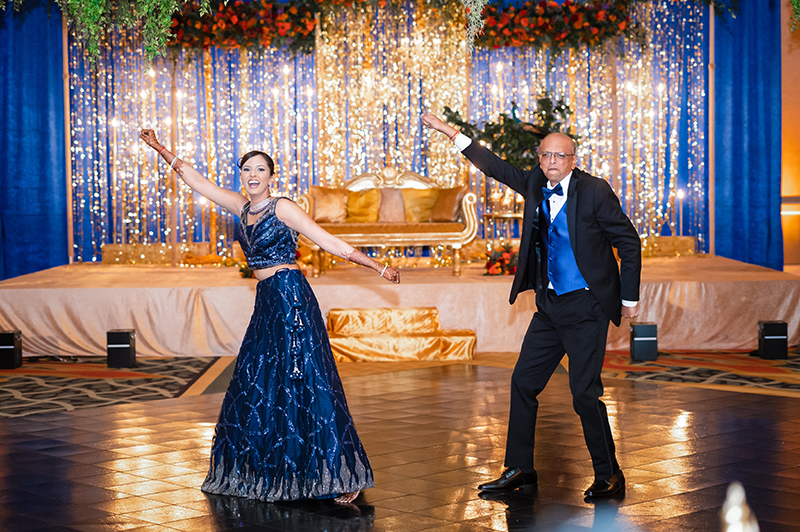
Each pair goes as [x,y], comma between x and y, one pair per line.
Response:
[433,434]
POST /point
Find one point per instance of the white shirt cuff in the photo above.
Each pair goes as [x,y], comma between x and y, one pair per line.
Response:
[462,141]
[627,303]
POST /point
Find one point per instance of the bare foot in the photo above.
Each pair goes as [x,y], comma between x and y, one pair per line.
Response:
[346,498]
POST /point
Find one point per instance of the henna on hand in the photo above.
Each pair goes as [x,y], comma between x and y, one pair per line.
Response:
[388,273]
[149,137]
[391,274]
[359,258]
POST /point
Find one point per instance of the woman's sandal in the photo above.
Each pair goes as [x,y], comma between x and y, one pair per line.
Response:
[346,498]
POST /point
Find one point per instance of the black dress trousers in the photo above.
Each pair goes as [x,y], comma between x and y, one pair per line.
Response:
[576,324]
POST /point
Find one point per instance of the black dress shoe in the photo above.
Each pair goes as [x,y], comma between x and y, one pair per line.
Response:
[511,479]
[614,486]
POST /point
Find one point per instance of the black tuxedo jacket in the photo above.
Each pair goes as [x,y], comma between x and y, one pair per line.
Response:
[596,222]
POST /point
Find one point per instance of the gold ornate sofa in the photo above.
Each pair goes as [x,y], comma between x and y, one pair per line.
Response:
[390,209]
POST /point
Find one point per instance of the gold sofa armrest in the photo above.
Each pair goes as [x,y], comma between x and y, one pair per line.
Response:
[306,202]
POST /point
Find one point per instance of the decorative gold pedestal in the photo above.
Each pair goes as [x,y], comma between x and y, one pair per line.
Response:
[396,334]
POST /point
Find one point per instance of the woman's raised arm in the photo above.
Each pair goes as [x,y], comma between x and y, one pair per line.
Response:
[233,201]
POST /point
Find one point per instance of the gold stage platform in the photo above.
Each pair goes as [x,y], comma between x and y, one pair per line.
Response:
[698,303]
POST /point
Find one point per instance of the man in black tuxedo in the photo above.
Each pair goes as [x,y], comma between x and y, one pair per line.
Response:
[571,222]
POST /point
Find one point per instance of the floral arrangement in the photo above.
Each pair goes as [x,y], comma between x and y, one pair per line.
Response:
[567,24]
[502,261]
[255,24]
[252,25]
[571,24]
[245,271]
[265,23]
[189,24]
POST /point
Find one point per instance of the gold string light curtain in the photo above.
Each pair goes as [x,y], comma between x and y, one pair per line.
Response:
[353,105]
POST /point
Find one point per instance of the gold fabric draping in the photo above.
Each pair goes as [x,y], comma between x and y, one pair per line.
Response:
[353,321]
[439,345]
[394,334]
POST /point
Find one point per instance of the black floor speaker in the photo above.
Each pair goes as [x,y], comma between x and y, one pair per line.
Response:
[644,341]
[10,349]
[121,348]
[773,340]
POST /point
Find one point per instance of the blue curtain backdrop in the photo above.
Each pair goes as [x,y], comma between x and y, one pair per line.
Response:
[33,190]
[748,135]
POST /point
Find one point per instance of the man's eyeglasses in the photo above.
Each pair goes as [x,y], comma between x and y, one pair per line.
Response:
[555,155]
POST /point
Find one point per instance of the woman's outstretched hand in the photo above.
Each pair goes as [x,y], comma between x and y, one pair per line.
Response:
[392,275]
[149,137]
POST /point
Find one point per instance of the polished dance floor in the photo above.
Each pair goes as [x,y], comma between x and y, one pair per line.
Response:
[432,434]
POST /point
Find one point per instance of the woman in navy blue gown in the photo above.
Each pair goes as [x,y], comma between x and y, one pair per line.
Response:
[284,430]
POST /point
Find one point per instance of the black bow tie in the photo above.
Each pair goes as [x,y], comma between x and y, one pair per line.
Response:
[557,190]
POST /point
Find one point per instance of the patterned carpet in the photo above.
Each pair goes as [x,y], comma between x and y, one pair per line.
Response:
[736,371]
[44,386]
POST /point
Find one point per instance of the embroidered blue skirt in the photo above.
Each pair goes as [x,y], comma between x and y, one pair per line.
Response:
[284,431]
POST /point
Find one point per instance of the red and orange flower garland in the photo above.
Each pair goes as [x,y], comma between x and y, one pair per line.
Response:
[271,24]
[550,24]
[253,24]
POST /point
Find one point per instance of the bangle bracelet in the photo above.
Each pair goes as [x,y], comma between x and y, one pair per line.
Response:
[384,269]
[454,135]
[162,149]
[172,164]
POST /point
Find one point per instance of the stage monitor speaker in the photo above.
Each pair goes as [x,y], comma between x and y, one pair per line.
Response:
[644,341]
[773,340]
[10,349]
[121,348]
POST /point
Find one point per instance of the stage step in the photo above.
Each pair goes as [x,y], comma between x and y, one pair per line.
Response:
[396,334]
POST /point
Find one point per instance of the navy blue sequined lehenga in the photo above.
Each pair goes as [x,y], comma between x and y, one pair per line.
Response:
[284,430]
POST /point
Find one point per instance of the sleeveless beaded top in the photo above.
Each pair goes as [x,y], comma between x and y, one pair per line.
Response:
[269,241]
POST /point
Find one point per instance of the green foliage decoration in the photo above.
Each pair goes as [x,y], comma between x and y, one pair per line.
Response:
[93,18]
[795,14]
[157,23]
[514,140]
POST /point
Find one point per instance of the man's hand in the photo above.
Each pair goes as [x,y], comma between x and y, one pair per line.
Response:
[630,312]
[432,121]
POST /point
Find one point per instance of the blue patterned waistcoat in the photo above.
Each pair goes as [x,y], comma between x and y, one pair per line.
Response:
[562,269]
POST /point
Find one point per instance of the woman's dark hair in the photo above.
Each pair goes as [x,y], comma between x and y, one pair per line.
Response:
[249,155]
